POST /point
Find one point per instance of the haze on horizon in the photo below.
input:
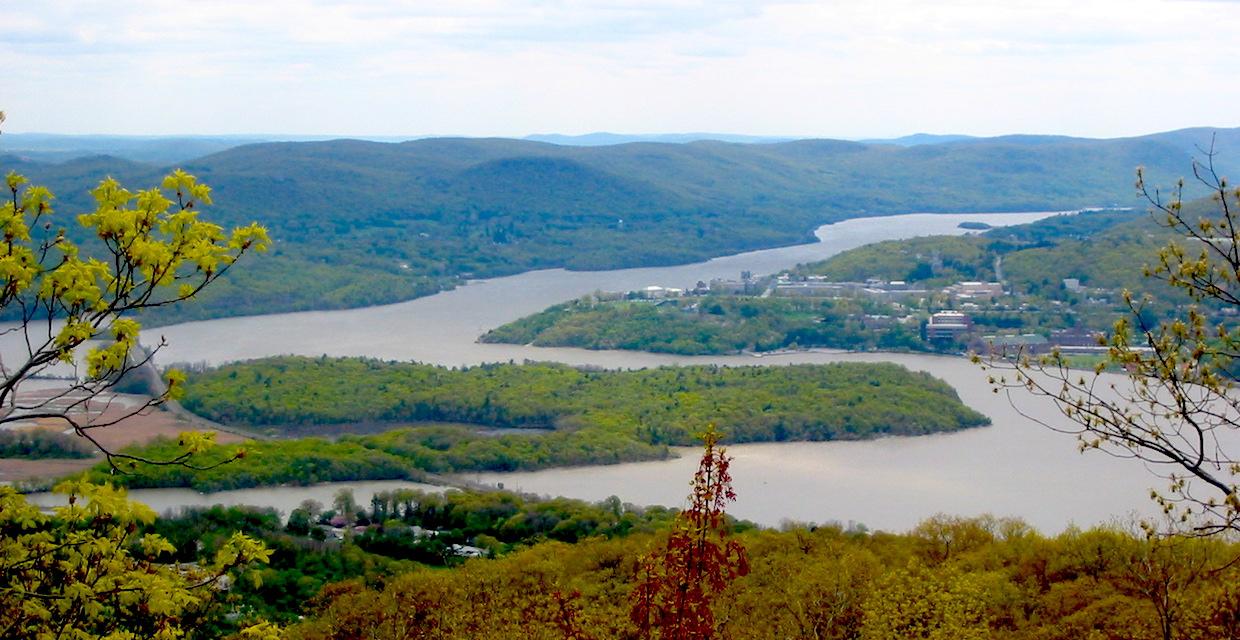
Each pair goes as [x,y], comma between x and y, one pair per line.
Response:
[884,68]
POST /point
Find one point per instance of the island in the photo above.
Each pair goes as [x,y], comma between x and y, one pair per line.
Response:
[503,417]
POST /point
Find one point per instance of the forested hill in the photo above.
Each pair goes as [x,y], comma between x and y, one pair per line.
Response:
[360,223]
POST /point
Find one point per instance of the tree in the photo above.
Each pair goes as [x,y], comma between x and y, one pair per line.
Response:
[83,571]
[1177,409]
[678,584]
[151,251]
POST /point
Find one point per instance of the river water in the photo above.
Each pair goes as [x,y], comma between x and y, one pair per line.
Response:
[1016,467]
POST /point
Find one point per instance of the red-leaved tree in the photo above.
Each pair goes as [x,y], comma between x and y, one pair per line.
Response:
[678,583]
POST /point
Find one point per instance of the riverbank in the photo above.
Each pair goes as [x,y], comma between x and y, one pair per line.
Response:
[1016,467]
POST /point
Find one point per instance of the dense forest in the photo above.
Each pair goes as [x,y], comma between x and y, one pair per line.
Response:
[37,443]
[358,223]
[564,569]
[396,532]
[548,415]
[664,405]
[948,579]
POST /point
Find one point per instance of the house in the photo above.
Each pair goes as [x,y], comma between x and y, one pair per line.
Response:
[466,551]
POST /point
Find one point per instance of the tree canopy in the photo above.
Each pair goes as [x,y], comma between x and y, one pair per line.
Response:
[82,571]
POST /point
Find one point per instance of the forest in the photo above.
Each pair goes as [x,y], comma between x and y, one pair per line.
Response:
[711,324]
[527,416]
[565,569]
[948,579]
[382,541]
[361,223]
[41,443]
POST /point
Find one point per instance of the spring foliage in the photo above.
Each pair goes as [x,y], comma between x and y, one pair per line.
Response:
[74,304]
[567,416]
[83,572]
[948,578]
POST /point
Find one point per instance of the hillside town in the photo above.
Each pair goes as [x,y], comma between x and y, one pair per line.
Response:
[958,317]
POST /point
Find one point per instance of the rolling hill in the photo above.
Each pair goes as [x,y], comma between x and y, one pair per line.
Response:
[360,223]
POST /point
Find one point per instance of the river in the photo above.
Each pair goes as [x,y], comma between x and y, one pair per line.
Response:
[1016,467]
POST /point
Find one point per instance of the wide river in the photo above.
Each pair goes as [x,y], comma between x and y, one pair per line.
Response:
[1014,468]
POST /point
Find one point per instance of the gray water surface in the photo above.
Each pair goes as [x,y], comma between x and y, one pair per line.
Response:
[1016,467]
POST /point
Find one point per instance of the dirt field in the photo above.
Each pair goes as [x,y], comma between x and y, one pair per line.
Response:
[136,429]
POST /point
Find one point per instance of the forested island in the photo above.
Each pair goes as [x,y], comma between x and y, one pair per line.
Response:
[566,416]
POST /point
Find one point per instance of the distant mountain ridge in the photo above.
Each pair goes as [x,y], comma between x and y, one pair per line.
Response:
[160,150]
[920,138]
[603,138]
[164,149]
[359,223]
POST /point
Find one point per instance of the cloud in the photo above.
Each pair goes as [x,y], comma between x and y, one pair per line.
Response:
[826,67]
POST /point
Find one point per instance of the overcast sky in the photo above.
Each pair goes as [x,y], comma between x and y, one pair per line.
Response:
[872,68]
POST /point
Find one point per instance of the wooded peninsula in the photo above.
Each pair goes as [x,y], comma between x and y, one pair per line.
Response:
[1062,282]
[565,416]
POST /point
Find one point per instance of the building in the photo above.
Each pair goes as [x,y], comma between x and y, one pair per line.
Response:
[975,290]
[817,289]
[742,287]
[877,289]
[655,292]
[1027,343]
[467,551]
[948,325]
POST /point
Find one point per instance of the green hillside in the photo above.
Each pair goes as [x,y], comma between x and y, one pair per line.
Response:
[358,223]
[1103,250]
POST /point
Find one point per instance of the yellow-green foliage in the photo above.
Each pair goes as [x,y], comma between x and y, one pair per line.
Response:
[152,250]
[83,572]
[666,404]
[951,578]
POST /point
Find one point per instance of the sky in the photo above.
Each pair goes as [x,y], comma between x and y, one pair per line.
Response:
[863,69]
